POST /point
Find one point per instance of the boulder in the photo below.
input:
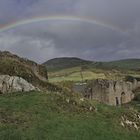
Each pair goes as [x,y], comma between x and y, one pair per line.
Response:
[10,84]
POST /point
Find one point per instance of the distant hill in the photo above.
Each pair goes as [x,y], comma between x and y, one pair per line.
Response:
[13,65]
[125,64]
[65,62]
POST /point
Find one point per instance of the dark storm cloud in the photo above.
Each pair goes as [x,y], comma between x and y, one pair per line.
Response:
[124,13]
[11,10]
[45,40]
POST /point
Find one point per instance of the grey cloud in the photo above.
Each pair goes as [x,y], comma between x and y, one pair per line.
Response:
[44,40]
[51,7]
[11,10]
[123,13]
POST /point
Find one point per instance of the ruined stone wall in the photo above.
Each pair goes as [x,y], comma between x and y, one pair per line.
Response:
[101,91]
[135,85]
[120,92]
[111,92]
[98,90]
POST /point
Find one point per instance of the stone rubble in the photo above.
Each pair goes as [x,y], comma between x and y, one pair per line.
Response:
[131,123]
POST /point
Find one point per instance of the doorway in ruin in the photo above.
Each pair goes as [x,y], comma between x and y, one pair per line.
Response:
[117,101]
[123,100]
[0,92]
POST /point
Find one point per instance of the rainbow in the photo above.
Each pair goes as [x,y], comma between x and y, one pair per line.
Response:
[58,18]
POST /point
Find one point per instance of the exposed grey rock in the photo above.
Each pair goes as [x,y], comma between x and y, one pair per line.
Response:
[10,84]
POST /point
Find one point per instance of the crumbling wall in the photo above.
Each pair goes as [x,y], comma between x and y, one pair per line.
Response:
[111,92]
[120,92]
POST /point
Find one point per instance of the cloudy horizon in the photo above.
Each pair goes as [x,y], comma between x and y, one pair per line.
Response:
[114,33]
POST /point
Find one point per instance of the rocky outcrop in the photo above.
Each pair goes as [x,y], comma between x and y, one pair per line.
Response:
[11,64]
[10,84]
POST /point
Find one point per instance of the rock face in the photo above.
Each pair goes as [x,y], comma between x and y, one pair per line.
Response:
[111,92]
[10,84]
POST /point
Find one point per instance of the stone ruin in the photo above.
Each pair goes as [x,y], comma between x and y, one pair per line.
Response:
[11,84]
[111,92]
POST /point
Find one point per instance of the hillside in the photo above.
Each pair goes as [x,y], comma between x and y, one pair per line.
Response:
[64,63]
[61,114]
[126,64]
[71,69]
[52,116]
[13,65]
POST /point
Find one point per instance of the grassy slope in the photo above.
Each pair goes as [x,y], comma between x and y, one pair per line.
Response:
[74,74]
[40,116]
[69,69]
[15,66]
[126,64]
[64,63]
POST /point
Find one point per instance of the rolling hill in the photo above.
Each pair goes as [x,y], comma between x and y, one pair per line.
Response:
[125,64]
[64,63]
[70,62]
[69,69]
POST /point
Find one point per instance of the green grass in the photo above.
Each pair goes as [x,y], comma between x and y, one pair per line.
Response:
[74,74]
[38,116]
[64,63]
[88,75]
[126,64]
[13,65]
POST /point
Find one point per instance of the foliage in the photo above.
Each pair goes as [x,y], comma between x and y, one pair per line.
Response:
[52,116]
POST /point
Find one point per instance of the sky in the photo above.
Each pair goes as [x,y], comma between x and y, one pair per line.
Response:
[98,30]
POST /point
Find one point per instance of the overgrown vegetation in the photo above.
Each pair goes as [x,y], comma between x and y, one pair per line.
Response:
[15,66]
[58,113]
[52,116]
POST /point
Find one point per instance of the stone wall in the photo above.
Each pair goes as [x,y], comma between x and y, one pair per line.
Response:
[111,92]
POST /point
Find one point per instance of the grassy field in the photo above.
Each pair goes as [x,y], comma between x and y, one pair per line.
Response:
[50,116]
[69,69]
[74,74]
